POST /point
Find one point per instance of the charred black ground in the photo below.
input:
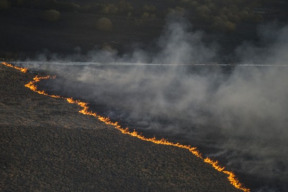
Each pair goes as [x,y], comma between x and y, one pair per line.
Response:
[210,138]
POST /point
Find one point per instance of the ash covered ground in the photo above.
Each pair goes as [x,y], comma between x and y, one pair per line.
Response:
[232,114]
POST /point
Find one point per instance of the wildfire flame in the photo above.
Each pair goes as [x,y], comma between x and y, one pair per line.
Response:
[23,70]
[32,85]
[85,111]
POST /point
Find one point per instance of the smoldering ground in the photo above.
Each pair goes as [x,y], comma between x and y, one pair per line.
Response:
[239,112]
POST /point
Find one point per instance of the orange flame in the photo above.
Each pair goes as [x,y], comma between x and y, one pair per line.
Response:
[23,70]
[85,111]
[33,87]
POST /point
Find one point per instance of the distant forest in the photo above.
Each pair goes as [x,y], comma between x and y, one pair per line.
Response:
[115,23]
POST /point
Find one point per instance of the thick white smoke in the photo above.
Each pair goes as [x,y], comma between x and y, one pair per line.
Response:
[240,111]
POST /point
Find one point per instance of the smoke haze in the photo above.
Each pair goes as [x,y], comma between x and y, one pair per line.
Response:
[239,112]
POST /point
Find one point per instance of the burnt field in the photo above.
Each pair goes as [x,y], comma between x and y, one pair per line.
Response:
[194,105]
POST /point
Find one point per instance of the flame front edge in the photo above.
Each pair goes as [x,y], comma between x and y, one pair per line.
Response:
[32,85]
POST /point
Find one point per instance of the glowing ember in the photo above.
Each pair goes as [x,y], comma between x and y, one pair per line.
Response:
[85,111]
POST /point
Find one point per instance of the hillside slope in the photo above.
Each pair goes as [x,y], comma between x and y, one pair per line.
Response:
[46,145]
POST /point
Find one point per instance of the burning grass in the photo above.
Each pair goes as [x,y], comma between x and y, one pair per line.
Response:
[158,167]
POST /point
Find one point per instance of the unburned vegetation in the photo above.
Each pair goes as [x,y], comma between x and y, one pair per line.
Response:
[46,145]
[30,27]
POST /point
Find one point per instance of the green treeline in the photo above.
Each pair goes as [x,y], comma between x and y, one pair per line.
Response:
[62,25]
[215,15]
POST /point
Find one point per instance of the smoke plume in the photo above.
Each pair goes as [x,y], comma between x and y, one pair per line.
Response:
[238,111]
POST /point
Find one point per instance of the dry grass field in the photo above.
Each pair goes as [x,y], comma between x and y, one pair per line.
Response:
[46,145]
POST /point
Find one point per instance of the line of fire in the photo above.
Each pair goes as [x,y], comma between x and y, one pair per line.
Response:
[32,85]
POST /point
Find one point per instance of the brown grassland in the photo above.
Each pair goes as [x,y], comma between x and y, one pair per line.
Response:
[46,145]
